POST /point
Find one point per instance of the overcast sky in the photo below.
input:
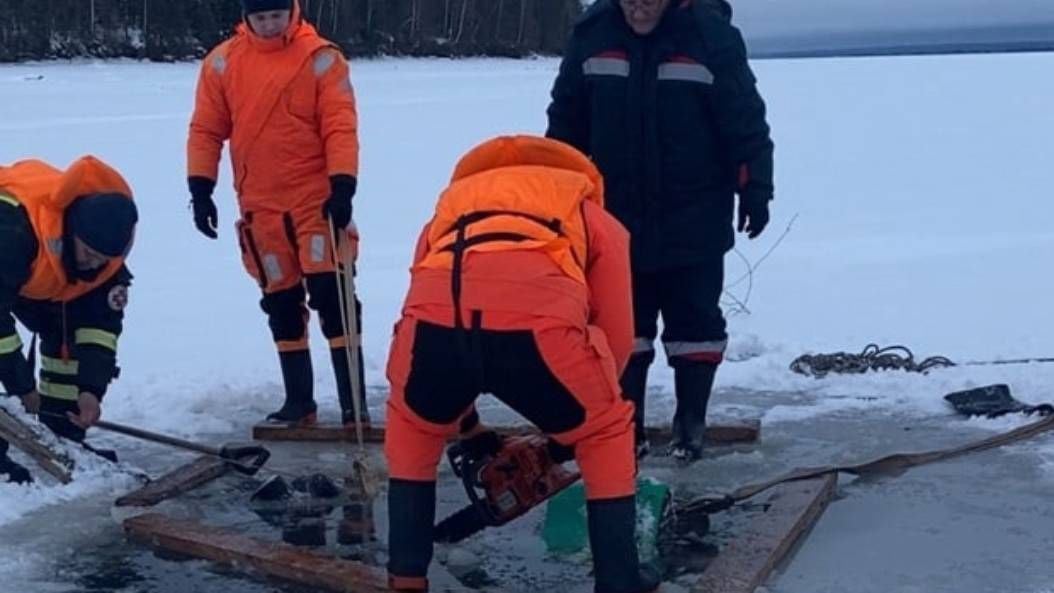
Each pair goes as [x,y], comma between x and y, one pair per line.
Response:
[787,24]
[766,17]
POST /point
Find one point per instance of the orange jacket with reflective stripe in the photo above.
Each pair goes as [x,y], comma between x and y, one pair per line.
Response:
[45,192]
[287,107]
[515,264]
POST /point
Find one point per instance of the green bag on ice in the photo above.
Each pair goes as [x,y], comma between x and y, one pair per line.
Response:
[566,531]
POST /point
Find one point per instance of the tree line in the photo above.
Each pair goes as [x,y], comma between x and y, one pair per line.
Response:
[168,30]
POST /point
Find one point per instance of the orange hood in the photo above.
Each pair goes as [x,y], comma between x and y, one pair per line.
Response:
[46,193]
[523,150]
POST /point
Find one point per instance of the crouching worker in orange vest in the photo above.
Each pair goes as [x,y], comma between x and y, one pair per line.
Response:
[63,240]
[520,288]
[283,97]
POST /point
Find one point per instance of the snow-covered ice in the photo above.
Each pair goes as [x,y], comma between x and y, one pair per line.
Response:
[921,188]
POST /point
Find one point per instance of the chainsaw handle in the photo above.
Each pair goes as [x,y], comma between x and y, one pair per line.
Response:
[470,478]
[258,457]
[455,455]
[467,461]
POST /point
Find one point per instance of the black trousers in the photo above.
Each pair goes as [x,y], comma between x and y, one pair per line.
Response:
[57,383]
[688,299]
[451,368]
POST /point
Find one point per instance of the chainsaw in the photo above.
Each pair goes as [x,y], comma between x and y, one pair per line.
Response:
[504,479]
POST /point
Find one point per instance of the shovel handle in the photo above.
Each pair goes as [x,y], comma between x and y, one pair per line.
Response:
[246,460]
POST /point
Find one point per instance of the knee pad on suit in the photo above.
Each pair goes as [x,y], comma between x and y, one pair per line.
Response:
[285,313]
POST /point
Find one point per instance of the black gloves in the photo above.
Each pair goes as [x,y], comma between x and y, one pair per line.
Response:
[755,192]
[753,213]
[338,206]
[205,216]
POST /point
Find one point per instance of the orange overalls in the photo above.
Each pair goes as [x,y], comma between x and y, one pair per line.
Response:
[520,288]
[288,108]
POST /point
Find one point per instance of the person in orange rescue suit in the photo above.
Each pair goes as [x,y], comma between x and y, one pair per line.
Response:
[520,288]
[64,236]
[282,96]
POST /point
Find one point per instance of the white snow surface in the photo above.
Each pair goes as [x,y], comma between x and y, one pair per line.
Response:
[920,187]
[91,476]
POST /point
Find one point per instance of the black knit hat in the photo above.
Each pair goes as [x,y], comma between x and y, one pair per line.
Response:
[251,6]
[105,222]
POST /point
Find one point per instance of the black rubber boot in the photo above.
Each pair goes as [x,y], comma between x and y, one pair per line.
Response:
[343,377]
[411,518]
[634,386]
[693,382]
[299,380]
[612,537]
[16,473]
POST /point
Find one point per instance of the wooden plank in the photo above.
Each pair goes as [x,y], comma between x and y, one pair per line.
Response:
[728,432]
[262,558]
[733,432]
[31,441]
[266,431]
[768,540]
[181,480]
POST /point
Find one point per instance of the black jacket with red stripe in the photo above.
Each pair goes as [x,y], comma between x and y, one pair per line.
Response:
[673,120]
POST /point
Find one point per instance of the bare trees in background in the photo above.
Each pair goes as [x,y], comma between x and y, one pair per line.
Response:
[178,29]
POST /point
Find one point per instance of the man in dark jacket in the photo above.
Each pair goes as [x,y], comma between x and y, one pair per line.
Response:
[659,93]
[64,236]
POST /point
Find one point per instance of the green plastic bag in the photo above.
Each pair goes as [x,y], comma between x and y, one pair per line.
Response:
[566,530]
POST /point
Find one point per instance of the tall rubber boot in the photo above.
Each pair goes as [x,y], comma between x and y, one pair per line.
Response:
[693,382]
[343,375]
[411,518]
[16,473]
[634,386]
[612,537]
[299,380]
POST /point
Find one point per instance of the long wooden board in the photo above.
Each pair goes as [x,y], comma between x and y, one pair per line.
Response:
[270,559]
[768,540]
[28,441]
[183,479]
[733,432]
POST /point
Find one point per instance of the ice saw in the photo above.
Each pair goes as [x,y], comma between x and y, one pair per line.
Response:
[504,478]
